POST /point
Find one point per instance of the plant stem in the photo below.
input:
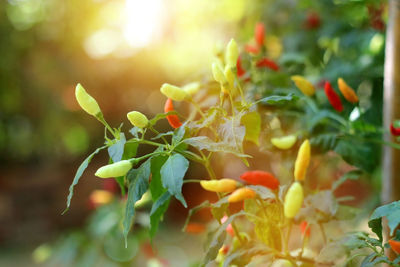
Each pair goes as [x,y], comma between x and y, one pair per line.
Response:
[103,121]
[321,226]
[287,237]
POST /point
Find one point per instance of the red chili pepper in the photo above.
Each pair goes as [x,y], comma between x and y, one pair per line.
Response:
[394,131]
[259,33]
[251,49]
[313,20]
[268,64]
[239,67]
[260,178]
[305,228]
[172,119]
[229,228]
[195,228]
[333,98]
[375,14]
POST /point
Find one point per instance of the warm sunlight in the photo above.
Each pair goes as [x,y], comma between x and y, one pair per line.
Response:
[143,21]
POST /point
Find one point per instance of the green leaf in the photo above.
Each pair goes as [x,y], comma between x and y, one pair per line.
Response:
[278,99]
[358,153]
[218,209]
[156,187]
[351,175]
[391,211]
[78,175]
[324,142]
[203,142]
[138,180]
[232,132]
[169,133]
[178,135]
[134,131]
[252,122]
[157,211]
[130,150]
[262,191]
[116,151]
[172,173]
[193,211]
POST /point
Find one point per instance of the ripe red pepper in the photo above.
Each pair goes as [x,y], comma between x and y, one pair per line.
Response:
[313,20]
[172,119]
[259,34]
[239,67]
[395,245]
[333,98]
[305,229]
[261,178]
[394,131]
[251,49]
[267,63]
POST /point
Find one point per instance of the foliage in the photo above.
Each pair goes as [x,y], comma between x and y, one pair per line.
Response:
[247,105]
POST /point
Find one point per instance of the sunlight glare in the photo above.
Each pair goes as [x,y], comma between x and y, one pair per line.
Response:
[143,21]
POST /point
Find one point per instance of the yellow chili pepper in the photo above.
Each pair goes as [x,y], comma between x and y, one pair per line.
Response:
[137,119]
[241,194]
[302,161]
[293,200]
[174,92]
[347,91]
[230,77]
[284,142]
[305,86]
[86,101]
[117,169]
[218,73]
[222,185]
[191,88]
[232,54]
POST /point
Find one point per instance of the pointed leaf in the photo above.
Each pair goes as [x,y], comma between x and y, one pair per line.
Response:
[78,175]
[172,173]
[116,151]
[138,180]
[252,122]
[157,211]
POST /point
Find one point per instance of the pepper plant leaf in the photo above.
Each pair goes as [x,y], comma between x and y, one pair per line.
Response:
[78,175]
[158,209]
[172,173]
[138,180]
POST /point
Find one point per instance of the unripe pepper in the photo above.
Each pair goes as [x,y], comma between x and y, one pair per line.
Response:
[230,77]
[304,85]
[267,63]
[394,131]
[293,200]
[260,178]
[347,91]
[116,169]
[241,194]
[395,245]
[284,142]
[174,92]
[333,98]
[191,88]
[222,185]
[302,161]
[86,101]
[173,120]
[137,119]
[259,33]
[218,73]
[232,54]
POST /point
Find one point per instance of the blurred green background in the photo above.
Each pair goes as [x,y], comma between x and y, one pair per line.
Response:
[122,51]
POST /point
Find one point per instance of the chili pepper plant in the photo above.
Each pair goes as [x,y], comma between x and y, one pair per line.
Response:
[235,111]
